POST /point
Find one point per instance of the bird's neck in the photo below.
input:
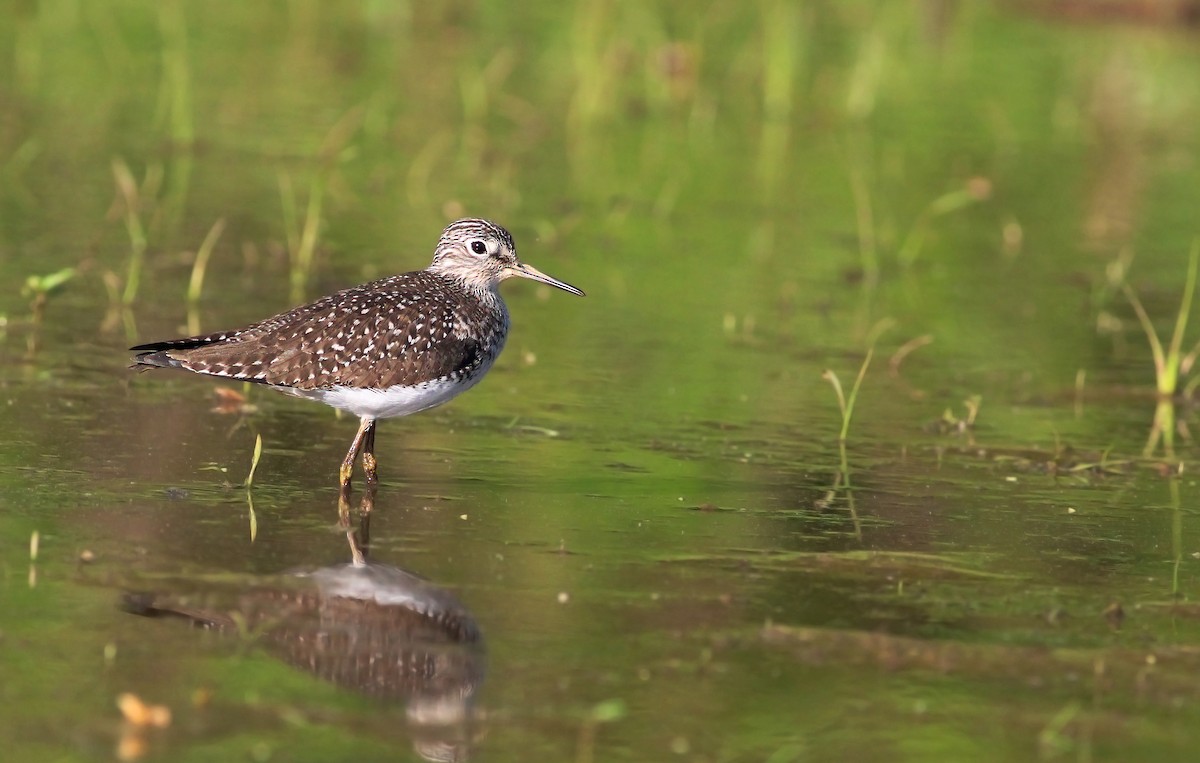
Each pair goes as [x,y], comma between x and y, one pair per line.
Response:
[486,290]
[471,280]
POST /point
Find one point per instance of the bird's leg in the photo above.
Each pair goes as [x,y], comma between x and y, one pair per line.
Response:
[368,455]
[364,426]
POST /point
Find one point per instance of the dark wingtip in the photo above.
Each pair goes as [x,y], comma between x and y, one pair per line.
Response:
[157,354]
[155,358]
[172,344]
[138,603]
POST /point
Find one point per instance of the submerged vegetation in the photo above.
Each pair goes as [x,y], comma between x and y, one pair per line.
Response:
[38,289]
[846,407]
[1170,363]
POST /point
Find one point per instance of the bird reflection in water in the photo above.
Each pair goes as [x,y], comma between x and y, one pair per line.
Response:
[372,628]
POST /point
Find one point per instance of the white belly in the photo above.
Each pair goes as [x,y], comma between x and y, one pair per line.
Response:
[391,402]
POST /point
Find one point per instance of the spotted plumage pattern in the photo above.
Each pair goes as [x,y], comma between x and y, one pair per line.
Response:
[398,331]
[387,348]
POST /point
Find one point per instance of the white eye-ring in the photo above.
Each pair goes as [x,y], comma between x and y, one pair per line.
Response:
[479,246]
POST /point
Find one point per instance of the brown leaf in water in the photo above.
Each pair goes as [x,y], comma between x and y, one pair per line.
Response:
[230,401]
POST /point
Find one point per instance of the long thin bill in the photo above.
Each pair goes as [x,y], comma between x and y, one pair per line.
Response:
[533,274]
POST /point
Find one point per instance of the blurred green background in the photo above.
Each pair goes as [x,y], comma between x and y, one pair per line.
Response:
[645,505]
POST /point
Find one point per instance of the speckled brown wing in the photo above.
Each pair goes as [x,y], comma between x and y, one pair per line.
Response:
[376,335]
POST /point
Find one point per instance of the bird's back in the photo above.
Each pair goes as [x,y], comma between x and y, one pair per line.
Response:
[400,331]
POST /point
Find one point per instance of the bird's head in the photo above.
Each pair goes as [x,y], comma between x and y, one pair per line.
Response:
[482,254]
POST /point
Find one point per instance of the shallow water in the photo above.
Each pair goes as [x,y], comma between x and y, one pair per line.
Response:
[642,515]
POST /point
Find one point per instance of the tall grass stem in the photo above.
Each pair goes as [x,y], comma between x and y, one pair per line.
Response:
[200,266]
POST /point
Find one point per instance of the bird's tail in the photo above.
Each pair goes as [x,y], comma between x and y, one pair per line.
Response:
[158,354]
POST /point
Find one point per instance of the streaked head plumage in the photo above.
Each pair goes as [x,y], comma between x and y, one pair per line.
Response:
[481,254]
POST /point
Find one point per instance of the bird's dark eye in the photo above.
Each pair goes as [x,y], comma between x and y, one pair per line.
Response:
[478,247]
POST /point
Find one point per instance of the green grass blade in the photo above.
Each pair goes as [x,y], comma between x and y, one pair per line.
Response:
[254,461]
[200,266]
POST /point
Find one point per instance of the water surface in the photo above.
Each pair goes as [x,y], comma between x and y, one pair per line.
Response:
[643,512]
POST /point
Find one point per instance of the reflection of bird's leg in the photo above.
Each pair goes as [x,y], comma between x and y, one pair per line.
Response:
[359,537]
[367,503]
[364,520]
[344,507]
[358,554]
[368,454]
[364,426]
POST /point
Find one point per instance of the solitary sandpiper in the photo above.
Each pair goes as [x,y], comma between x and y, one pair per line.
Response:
[387,348]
